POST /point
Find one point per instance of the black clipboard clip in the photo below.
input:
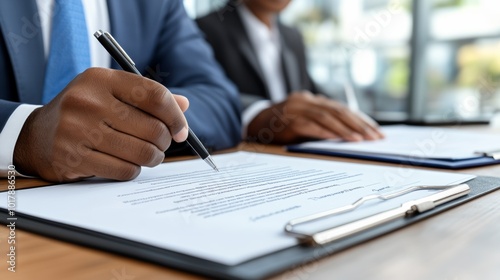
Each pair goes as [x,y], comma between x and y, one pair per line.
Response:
[409,208]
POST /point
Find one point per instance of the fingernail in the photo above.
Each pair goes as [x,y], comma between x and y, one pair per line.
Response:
[181,136]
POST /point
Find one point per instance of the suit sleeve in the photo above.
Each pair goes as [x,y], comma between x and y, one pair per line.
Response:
[6,109]
[214,111]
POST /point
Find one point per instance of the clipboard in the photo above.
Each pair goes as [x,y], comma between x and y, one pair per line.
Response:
[437,147]
[258,268]
[482,159]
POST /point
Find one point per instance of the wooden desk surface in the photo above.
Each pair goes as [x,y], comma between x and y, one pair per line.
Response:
[459,244]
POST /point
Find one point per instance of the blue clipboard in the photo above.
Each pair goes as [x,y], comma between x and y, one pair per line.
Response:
[410,161]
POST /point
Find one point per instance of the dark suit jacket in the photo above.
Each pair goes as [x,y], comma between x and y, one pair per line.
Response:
[225,31]
[164,43]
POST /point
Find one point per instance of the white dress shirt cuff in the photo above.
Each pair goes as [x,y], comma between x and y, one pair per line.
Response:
[9,135]
[251,112]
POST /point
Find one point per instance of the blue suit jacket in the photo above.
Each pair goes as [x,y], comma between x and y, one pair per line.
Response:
[165,45]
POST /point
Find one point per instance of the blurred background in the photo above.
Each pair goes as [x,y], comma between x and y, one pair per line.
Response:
[431,61]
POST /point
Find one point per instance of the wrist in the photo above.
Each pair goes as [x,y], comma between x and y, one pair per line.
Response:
[23,157]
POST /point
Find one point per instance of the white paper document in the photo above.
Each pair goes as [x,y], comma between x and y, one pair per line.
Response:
[417,142]
[229,216]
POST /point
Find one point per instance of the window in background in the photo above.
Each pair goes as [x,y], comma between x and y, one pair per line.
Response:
[365,43]
[196,8]
[463,60]
[416,60]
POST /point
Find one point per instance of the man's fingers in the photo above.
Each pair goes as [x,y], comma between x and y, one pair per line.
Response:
[355,123]
[349,119]
[372,123]
[133,121]
[328,122]
[153,98]
[330,115]
[130,148]
[313,130]
[109,167]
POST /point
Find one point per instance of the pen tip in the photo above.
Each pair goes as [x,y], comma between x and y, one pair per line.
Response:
[211,163]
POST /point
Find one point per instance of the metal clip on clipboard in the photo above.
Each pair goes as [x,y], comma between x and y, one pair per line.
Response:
[406,209]
[493,154]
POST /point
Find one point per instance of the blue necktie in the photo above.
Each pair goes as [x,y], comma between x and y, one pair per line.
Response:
[69,47]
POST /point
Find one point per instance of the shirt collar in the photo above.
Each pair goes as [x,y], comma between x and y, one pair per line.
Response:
[256,29]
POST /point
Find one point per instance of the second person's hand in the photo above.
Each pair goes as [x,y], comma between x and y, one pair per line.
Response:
[304,115]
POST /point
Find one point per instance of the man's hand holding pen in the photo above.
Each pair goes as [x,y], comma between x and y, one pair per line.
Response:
[127,64]
[105,123]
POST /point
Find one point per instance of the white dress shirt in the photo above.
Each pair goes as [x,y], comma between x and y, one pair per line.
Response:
[97,17]
[266,43]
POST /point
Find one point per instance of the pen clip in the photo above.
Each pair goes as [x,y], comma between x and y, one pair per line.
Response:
[115,44]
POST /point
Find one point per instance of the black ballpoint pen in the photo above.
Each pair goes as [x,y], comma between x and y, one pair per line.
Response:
[121,57]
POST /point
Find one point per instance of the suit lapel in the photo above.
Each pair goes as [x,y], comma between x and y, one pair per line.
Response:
[290,64]
[244,45]
[21,30]
[248,52]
